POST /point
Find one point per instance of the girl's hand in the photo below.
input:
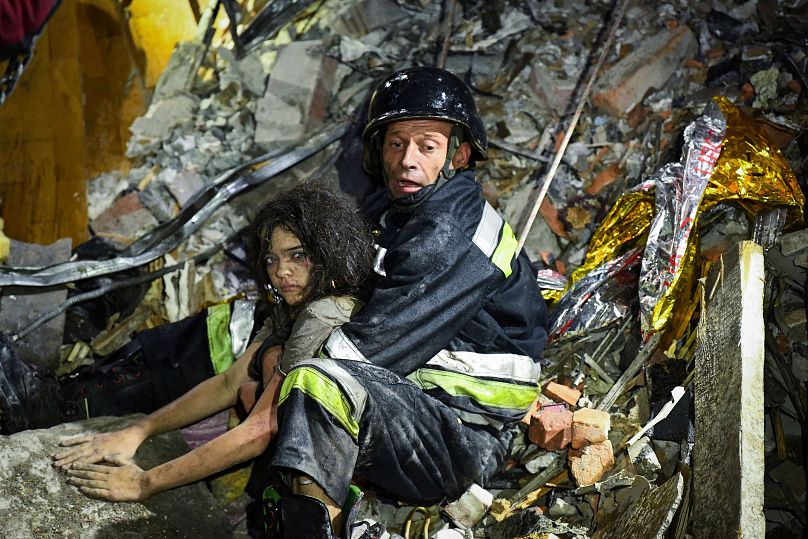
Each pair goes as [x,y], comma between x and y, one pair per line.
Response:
[120,480]
[92,448]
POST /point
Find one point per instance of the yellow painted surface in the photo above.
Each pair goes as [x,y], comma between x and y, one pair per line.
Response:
[68,119]
[157,26]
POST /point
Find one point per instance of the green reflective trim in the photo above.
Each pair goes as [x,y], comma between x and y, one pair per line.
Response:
[219,344]
[505,251]
[325,391]
[489,393]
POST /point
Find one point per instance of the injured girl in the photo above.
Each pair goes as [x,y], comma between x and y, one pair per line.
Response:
[314,259]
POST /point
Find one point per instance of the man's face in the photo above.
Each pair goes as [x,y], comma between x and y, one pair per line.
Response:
[413,153]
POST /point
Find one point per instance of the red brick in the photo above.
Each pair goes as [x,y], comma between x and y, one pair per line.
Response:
[562,393]
[534,410]
[589,426]
[747,92]
[605,177]
[551,427]
[589,464]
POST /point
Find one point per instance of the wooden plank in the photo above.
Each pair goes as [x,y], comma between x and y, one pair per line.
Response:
[729,454]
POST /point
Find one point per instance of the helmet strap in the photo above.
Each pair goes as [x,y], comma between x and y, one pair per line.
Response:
[455,140]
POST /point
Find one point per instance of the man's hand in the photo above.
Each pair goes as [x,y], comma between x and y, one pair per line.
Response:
[271,358]
[120,480]
[92,448]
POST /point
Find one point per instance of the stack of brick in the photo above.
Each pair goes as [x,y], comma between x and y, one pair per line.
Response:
[554,427]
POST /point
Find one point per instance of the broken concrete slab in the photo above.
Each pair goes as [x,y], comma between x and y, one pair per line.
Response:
[365,16]
[19,306]
[38,502]
[297,94]
[650,65]
[124,221]
[729,451]
[650,516]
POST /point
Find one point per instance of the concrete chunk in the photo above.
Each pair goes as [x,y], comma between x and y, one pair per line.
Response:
[19,306]
[728,455]
[650,65]
[297,95]
[650,515]
[38,502]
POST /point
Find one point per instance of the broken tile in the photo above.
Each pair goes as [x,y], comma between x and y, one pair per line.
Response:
[124,221]
[467,511]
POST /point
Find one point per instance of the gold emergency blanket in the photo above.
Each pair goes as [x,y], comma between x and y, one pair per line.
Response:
[726,159]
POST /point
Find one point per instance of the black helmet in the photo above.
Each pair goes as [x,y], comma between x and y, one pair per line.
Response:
[422,93]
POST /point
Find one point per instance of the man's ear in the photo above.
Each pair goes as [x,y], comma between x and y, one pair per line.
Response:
[461,156]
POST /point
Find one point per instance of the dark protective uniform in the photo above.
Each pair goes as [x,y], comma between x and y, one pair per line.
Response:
[444,355]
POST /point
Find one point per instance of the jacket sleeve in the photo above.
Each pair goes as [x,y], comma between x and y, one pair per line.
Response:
[312,327]
[436,280]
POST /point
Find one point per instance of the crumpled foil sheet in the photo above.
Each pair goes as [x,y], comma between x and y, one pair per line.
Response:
[598,300]
[668,260]
[727,159]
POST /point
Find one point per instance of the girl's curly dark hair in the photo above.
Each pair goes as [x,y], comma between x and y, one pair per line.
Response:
[332,232]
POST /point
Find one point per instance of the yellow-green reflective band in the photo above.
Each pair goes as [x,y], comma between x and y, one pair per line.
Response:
[325,391]
[219,344]
[485,392]
[505,250]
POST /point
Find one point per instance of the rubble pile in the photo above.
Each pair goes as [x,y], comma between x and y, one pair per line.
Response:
[693,136]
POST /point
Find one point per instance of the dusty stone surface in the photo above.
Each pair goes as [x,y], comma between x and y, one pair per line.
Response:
[19,306]
[728,456]
[36,500]
[650,515]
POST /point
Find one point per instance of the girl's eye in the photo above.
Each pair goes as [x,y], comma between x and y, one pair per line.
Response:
[271,261]
[299,257]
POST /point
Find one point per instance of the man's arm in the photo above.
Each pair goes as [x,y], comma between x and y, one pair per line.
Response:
[437,280]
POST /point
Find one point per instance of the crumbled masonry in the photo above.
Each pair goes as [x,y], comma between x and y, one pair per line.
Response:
[671,248]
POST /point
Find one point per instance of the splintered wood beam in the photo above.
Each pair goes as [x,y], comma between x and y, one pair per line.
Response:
[728,454]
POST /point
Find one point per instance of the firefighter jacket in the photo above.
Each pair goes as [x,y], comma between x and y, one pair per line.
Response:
[454,310]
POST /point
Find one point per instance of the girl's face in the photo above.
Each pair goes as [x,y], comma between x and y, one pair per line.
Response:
[288,266]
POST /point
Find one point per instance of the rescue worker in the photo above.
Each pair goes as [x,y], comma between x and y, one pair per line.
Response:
[447,348]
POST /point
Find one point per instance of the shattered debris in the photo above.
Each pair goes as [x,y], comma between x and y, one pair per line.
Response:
[646,425]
